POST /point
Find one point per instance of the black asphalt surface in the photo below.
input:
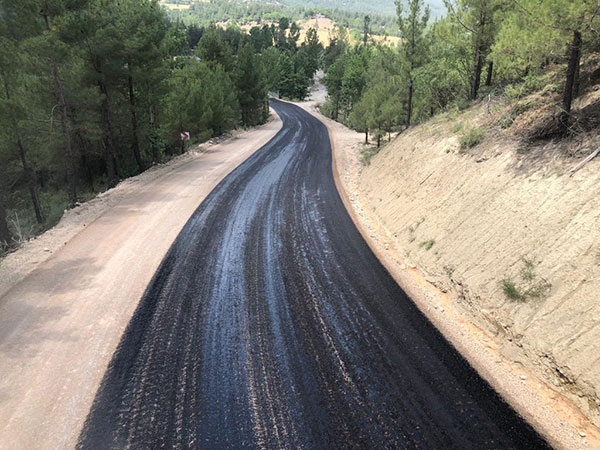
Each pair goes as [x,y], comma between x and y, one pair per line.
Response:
[270,324]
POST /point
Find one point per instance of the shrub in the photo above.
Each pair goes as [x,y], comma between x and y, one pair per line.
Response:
[531,83]
[507,119]
[367,153]
[511,290]
[530,287]
[427,244]
[457,127]
[472,138]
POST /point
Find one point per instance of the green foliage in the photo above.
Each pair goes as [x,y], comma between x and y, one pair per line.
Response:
[251,85]
[202,99]
[213,48]
[472,138]
[293,83]
[511,290]
[380,106]
[96,90]
[427,245]
[367,153]
[549,26]
[444,77]
[530,287]
[457,128]
[413,23]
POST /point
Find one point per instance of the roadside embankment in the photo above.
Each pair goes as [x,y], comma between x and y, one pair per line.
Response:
[455,228]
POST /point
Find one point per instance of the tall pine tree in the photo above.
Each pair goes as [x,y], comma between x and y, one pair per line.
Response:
[413,23]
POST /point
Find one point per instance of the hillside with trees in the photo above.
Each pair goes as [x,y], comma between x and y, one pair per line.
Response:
[482,49]
[95,91]
[243,13]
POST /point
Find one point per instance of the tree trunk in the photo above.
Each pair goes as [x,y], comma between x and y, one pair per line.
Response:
[29,175]
[336,108]
[153,134]
[480,48]
[490,72]
[4,231]
[89,174]
[477,69]
[64,119]
[135,144]
[576,83]
[378,139]
[572,70]
[107,138]
[409,103]
[367,136]
[27,170]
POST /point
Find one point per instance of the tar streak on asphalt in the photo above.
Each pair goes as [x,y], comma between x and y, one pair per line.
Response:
[270,324]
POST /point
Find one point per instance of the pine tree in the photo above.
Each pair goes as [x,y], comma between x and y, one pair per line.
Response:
[334,81]
[554,28]
[251,86]
[354,79]
[5,235]
[202,99]
[480,18]
[14,27]
[366,29]
[412,25]
[214,49]
[50,10]
[143,28]
[313,50]
[380,106]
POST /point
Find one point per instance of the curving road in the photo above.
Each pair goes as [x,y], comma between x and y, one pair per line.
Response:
[270,324]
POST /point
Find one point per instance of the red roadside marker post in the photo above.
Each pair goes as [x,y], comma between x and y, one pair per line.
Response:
[185,136]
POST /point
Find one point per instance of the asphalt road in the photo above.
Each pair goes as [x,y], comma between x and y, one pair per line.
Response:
[270,324]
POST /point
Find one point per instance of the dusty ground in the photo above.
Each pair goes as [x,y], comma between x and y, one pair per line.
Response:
[556,414]
[67,296]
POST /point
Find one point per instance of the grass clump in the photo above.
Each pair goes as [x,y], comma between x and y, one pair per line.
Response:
[367,153]
[511,290]
[506,120]
[472,138]
[457,128]
[427,244]
[413,228]
[530,287]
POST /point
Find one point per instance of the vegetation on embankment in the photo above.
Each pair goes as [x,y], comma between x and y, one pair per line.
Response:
[480,50]
[96,91]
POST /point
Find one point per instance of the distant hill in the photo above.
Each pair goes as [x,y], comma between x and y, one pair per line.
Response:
[349,13]
[383,7]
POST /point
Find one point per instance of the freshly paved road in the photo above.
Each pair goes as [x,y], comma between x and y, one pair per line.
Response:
[270,324]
